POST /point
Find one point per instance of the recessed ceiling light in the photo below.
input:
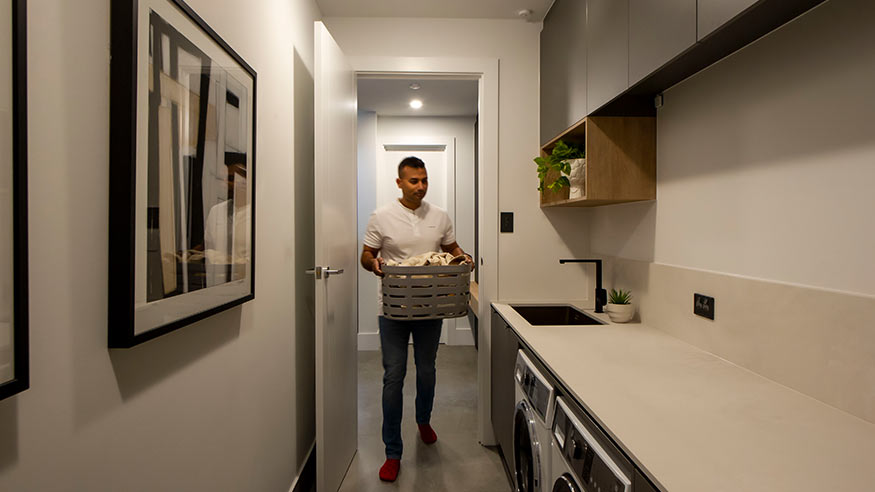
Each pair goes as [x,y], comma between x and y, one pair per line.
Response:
[414,86]
[415,104]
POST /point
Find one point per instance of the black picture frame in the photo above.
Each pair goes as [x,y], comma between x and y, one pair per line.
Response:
[147,302]
[20,378]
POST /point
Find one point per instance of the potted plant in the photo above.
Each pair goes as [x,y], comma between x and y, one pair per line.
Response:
[620,307]
[554,170]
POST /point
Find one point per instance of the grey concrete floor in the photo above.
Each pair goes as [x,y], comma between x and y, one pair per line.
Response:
[457,461]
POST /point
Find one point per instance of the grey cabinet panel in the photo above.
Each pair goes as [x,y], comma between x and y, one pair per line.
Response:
[714,13]
[607,56]
[504,346]
[659,30]
[563,67]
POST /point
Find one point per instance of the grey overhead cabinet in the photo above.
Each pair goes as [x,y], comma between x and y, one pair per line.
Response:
[563,67]
[607,56]
[714,13]
[659,30]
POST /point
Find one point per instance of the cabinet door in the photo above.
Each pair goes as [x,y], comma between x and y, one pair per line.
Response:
[714,13]
[659,30]
[503,358]
[563,67]
[607,54]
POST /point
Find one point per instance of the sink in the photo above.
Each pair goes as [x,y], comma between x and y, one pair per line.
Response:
[555,315]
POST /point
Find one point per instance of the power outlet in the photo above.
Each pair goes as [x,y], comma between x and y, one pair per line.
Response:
[506,222]
[703,306]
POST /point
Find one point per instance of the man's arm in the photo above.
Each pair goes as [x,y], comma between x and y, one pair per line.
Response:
[456,250]
[371,261]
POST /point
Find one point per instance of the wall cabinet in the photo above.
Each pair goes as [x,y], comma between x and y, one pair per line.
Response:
[714,13]
[659,30]
[607,56]
[620,161]
[503,358]
[563,67]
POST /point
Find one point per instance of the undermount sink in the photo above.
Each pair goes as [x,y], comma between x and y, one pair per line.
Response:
[555,315]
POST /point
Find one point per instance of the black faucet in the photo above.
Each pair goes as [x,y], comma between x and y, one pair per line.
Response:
[601,295]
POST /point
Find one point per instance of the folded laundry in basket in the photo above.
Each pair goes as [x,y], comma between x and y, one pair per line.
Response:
[425,259]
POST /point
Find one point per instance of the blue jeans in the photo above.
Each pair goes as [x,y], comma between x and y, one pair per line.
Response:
[394,336]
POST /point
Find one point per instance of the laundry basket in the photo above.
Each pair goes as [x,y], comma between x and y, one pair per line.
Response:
[426,292]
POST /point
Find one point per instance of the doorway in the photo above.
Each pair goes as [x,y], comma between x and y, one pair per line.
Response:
[446,137]
[442,132]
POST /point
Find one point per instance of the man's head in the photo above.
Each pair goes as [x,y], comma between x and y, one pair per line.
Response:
[412,180]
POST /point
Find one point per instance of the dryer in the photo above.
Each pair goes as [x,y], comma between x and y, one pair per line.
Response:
[582,458]
[531,427]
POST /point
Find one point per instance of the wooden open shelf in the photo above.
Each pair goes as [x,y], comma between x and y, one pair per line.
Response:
[620,161]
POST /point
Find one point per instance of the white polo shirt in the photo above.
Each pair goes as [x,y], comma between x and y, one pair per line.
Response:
[400,233]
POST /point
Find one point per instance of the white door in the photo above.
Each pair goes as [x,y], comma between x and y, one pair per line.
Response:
[335,244]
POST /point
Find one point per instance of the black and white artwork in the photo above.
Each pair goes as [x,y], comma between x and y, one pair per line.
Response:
[14,360]
[182,172]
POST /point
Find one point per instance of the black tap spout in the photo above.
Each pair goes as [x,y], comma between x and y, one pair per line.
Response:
[601,295]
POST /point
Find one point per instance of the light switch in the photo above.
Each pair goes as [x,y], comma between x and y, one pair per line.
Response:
[506,222]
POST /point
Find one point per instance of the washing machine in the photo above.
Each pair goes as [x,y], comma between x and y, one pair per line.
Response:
[582,458]
[531,427]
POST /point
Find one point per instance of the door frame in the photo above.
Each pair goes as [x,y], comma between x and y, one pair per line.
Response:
[486,72]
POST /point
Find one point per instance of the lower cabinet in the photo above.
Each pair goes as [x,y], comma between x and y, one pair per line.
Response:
[503,359]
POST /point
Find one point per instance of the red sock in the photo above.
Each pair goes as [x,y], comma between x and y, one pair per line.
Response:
[389,470]
[427,434]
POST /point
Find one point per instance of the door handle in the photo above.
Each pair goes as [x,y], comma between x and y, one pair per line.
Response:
[320,271]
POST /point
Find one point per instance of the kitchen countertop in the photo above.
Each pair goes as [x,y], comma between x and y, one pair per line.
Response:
[696,422]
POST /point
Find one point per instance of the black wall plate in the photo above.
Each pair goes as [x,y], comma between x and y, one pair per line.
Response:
[703,306]
[506,221]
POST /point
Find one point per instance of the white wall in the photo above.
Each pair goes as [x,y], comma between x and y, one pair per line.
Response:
[765,161]
[765,168]
[226,404]
[367,202]
[528,259]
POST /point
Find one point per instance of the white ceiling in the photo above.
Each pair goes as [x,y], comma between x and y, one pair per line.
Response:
[459,9]
[440,97]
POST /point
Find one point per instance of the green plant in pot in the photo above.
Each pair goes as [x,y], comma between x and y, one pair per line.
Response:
[620,307]
[558,160]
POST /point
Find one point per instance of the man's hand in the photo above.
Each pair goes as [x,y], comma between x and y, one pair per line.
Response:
[371,261]
[469,261]
[377,266]
[456,250]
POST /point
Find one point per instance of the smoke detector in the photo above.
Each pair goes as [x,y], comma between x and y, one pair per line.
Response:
[525,14]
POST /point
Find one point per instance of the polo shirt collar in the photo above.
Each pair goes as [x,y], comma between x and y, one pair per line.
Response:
[419,211]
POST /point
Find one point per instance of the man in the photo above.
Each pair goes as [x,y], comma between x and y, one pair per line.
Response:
[407,227]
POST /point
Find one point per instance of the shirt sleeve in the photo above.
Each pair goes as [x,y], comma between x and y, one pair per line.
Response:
[449,232]
[373,237]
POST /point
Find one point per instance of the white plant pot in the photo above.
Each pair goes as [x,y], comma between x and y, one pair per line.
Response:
[577,178]
[620,313]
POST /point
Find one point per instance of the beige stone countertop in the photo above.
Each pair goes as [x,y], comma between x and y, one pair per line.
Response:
[697,423]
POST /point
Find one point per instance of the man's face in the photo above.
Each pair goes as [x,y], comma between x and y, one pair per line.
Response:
[413,183]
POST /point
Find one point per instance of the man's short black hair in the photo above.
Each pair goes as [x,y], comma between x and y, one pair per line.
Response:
[414,162]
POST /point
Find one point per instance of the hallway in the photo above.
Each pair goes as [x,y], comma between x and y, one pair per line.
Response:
[457,462]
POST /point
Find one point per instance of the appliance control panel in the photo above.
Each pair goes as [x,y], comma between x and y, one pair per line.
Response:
[534,385]
[586,456]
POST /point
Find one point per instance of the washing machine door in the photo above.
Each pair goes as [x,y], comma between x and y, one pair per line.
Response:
[526,450]
[566,483]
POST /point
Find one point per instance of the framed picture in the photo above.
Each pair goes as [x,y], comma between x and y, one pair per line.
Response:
[182,171]
[14,357]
